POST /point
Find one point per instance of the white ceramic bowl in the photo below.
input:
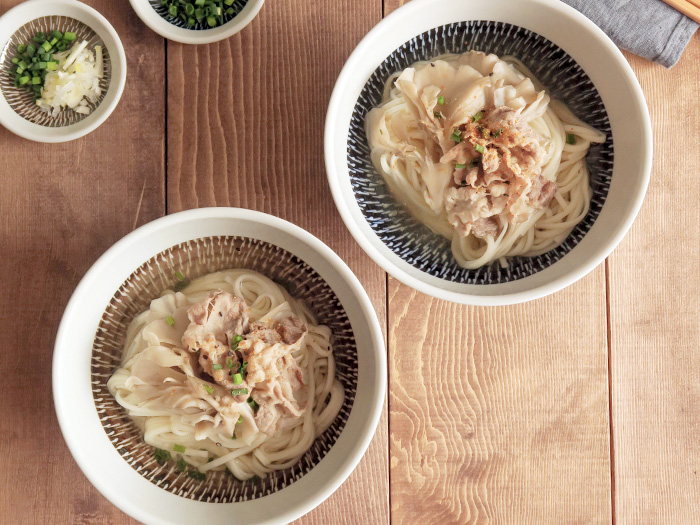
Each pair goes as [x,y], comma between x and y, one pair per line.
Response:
[574,35]
[167,29]
[83,428]
[20,15]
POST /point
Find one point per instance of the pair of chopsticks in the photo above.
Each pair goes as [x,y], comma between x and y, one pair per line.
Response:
[690,8]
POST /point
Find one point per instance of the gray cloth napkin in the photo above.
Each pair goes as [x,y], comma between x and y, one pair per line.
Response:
[648,28]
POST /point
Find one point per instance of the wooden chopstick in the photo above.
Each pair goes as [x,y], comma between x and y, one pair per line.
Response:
[690,8]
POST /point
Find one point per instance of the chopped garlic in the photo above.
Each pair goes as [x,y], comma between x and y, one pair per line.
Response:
[76,81]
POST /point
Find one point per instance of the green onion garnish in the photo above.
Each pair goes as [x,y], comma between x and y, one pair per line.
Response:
[479,148]
[178,448]
[196,474]
[497,133]
[437,114]
[456,135]
[179,276]
[244,365]
[210,390]
[229,362]
[161,456]
[441,100]
[477,117]
[570,138]
[460,166]
[237,379]
[181,465]
[170,320]
[240,420]
[216,367]
[251,402]
[239,391]
[234,342]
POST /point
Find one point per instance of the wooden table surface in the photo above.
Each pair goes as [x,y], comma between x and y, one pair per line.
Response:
[578,408]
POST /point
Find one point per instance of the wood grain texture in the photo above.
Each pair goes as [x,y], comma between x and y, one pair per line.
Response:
[500,414]
[654,312]
[62,205]
[257,142]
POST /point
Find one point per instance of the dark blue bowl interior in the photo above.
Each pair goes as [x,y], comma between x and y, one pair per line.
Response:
[563,79]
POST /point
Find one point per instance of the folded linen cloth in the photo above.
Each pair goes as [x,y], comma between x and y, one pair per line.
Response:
[648,28]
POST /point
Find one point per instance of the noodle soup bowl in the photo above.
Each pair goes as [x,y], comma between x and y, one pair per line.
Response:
[109,447]
[576,64]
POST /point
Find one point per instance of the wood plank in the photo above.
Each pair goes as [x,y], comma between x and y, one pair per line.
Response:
[62,206]
[499,413]
[257,142]
[654,311]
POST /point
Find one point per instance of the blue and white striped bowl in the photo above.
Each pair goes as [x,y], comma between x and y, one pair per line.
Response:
[577,64]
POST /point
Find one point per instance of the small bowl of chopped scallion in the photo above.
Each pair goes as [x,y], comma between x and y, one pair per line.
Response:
[61,74]
[196,21]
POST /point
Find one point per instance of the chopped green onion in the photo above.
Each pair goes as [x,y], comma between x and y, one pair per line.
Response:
[240,420]
[233,437]
[178,448]
[36,80]
[172,10]
[237,379]
[211,21]
[244,365]
[497,133]
[437,114]
[47,46]
[181,465]
[161,456]
[196,474]
[239,391]
[21,48]
[234,342]
[460,166]
[456,136]
[170,320]
[570,138]
[229,362]
[216,367]
[23,80]
[251,402]
[479,148]
[68,36]
[441,100]
[477,117]
[210,390]
[51,66]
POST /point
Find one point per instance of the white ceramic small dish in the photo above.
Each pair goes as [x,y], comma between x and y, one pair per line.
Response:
[14,113]
[179,32]
[105,452]
[547,30]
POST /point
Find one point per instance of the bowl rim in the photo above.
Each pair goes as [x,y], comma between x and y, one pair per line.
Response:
[334,134]
[62,346]
[144,10]
[26,12]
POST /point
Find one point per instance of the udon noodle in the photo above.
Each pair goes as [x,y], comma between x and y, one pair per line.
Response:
[232,373]
[478,152]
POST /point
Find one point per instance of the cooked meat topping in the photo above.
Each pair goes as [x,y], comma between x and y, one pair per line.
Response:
[226,342]
[503,159]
